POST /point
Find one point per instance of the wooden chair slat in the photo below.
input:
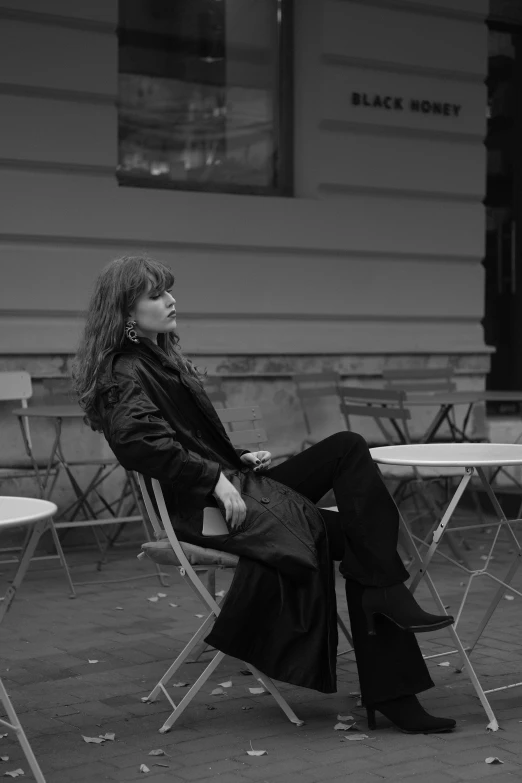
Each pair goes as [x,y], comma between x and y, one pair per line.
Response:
[247,437]
[372,395]
[376,411]
[229,415]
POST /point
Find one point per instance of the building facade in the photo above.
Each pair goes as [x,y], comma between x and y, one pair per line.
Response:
[374,261]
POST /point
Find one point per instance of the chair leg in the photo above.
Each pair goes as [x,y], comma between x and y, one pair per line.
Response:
[179,708]
[269,685]
[26,556]
[16,726]
[200,633]
[346,633]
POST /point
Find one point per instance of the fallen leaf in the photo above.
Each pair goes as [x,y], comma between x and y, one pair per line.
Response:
[209,707]
[509,597]
[174,606]
[246,672]
[96,740]
[493,760]
[218,692]
[180,684]
[4,758]
[199,615]
[355,737]
[153,599]
[253,752]
[144,768]
[251,708]
[119,607]
[15,773]
[159,764]
[355,693]
[93,660]
[110,735]
[341,727]
[157,752]
[444,663]
[162,595]
[2,736]
[227,684]
[344,717]
[257,690]
[220,593]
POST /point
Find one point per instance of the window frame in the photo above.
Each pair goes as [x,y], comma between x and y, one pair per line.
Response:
[283,85]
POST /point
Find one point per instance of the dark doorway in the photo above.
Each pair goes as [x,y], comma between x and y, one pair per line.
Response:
[503,259]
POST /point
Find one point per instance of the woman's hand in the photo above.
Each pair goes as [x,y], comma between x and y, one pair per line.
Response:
[235,509]
[259,460]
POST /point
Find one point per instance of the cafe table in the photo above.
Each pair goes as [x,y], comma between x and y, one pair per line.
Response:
[472,459]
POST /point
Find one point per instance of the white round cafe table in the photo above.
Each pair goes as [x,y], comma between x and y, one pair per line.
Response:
[472,458]
[450,455]
[18,512]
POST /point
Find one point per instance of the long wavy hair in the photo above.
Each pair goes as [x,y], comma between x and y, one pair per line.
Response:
[116,291]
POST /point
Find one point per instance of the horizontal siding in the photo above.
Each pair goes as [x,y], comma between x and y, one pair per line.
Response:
[278,285]
[393,35]
[428,166]
[60,58]
[92,10]
[72,205]
[364,260]
[65,134]
[262,335]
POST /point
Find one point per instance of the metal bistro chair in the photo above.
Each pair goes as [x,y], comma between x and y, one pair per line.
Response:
[17,387]
[255,435]
[187,558]
[313,387]
[387,408]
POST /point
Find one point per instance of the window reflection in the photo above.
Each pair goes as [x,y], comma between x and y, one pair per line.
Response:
[199,93]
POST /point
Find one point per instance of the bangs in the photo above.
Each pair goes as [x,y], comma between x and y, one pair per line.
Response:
[159,277]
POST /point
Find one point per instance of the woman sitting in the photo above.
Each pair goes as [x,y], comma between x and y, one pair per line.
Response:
[279,614]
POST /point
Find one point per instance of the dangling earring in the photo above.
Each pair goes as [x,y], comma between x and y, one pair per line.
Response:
[130,331]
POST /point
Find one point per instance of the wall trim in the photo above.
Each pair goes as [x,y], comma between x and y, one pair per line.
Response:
[400,131]
[36,240]
[61,167]
[55,94]
[425,71]
[249,316]
[58,20]
[380,192]
[432,9]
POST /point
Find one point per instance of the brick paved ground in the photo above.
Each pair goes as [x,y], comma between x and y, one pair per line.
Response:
[48,639]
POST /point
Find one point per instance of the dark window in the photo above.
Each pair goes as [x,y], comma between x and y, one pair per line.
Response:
[205,95]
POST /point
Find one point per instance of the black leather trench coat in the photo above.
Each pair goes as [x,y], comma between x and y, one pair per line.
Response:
[280,612]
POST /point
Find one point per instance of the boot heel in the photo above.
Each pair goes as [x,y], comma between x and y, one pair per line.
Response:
[370,715]
[370,623]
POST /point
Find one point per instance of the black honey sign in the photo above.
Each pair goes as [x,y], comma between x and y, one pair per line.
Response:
[399,103]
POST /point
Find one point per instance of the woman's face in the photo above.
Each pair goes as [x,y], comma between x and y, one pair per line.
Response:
[154,314]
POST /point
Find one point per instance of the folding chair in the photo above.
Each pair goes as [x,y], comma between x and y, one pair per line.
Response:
[186,557]
[387,408]
[17,386]
[420,380]
[315,386]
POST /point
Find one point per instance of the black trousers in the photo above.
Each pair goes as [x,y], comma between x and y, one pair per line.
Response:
[363,536]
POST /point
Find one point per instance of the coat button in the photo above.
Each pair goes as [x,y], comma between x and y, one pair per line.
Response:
[265,500]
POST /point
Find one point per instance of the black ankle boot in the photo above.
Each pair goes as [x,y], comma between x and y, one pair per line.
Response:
[398,604]
[409,716]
